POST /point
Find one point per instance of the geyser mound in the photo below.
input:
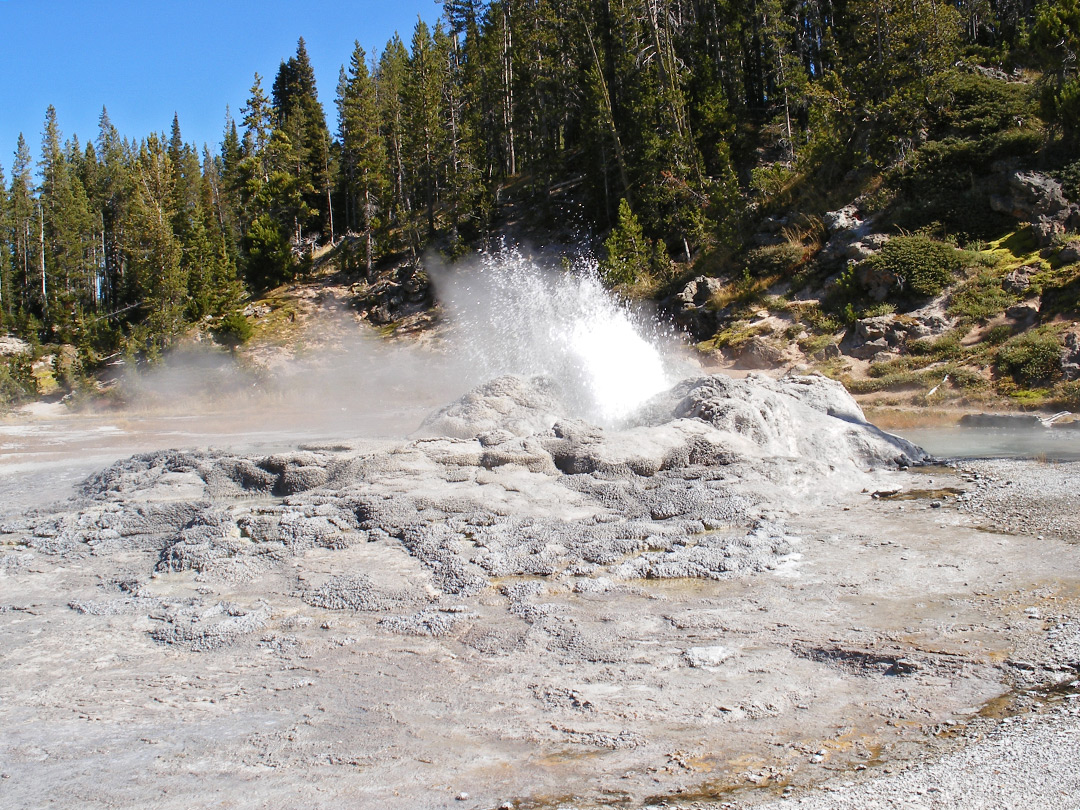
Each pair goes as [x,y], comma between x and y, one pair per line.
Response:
[707,420]
[511,315]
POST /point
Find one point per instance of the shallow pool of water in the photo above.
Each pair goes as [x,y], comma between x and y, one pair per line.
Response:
[1052,443]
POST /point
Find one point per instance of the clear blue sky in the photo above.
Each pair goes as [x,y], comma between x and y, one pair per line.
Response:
[146,59]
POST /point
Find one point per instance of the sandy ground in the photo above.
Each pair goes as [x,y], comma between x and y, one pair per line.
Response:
[915,644]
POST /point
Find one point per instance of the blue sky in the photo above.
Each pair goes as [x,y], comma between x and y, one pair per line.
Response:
[146,59]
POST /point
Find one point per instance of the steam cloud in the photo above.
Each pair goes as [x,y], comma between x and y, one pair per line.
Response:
[504,313]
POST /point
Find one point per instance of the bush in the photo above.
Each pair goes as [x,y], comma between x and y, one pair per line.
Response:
[997,335]
[1070,394]
[1030,358]
[234,330]
[922,266]
[17,383]
[942,348]
[774,260]
[980,299]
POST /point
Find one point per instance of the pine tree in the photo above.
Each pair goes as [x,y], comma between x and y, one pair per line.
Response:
[257,125]
[363,154]
[298,113]
[158,282]
[423,95]
[6,293]
[628,251]
[111,197]
[66,234]
[24,215]
[1056,37]
[390,89]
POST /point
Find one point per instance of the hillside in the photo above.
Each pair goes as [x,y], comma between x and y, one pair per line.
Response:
[885,190]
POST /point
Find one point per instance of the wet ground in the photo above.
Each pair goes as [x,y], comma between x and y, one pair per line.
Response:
[864,635]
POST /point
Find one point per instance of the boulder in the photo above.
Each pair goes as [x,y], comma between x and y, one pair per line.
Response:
[1039,199]
[1019,280]
[865,247]
[689,306]
[869,349]
[699,290]
[843,220]
[851,237]
[10,346]
[759,353]
[1070,355]
[1025,311]
[1070,253]
[876,280]
[888,333]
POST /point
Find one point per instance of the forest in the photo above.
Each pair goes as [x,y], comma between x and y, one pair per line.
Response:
[677,123]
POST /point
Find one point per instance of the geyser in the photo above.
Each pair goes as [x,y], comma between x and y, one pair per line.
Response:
[510,314]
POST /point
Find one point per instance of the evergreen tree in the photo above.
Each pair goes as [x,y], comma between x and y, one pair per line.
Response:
[66,235]
[627,249]
[363,153]
[6,293]
[24,214]
[426,142]
[111,196]
[298,113]
[1056,37]
[390,89]
[157,279]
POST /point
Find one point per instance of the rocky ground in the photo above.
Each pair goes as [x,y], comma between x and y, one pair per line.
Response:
[750,594]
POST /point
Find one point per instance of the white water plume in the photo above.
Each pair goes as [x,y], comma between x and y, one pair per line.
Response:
[511,315]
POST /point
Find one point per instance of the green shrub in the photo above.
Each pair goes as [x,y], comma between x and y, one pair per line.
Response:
[234,330]
[17,383]
[1030,358]
[997,335]
[1069,394]
[922,266]
[946,347]
[980,299]
[1069,177]
[774,260]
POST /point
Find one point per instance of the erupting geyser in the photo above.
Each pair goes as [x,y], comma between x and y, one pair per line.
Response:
[514,316]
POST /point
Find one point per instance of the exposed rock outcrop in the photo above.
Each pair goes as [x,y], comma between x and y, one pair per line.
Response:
[1039,199]
[1070,355]
[690,306]
[889,333]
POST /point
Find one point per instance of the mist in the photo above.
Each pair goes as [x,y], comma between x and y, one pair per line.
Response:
[501,312]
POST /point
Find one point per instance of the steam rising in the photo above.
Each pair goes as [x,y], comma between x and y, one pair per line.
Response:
[505,313]
[511,315]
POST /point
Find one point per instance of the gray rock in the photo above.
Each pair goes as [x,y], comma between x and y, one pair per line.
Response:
[1025,311]
[869,349]
[1070,355]
[759,353]
[699,290]
[887,333]
[1070,253]
[1019,280]
[1039,199]
[10,346]
[845,219]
